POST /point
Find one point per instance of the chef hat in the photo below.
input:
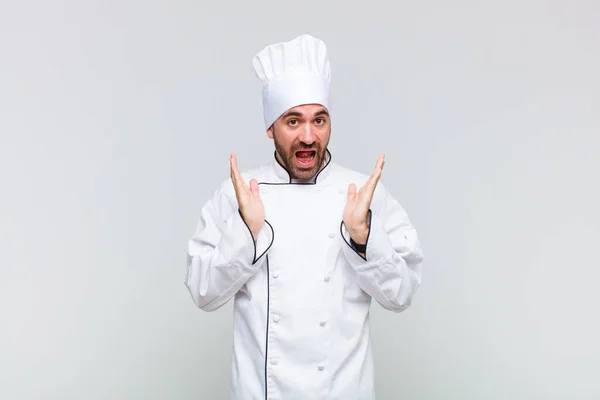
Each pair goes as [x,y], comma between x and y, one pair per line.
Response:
[292,73]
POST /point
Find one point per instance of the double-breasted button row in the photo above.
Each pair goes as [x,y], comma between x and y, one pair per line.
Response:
[275,275]
[277,318]
[274,362]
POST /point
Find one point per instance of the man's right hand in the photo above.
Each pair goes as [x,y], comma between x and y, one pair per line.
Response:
[249,202]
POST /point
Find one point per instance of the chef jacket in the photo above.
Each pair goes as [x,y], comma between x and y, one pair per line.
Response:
[302,293]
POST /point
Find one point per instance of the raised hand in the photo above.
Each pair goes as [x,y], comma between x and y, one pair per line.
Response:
[358,204]
[249,202]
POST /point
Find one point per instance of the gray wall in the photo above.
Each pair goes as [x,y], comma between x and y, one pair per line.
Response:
[116,122]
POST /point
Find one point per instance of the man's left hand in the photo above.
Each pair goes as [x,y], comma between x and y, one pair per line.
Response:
[358,204]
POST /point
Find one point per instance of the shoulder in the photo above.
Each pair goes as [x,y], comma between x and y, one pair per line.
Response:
[225,191]
[343,173]
[384,203]
[344,176]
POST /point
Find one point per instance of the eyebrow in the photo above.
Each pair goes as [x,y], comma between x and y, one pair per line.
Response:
[299,114]
[292,113]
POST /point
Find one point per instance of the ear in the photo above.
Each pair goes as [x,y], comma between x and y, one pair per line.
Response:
[270,132]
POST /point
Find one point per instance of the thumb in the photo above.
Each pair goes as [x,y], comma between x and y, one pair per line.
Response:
[254,186]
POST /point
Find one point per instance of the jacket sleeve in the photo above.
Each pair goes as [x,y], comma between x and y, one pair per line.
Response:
[222,254]
[390,272]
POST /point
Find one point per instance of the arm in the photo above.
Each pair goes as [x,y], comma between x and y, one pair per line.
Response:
[222,253]
[390,270]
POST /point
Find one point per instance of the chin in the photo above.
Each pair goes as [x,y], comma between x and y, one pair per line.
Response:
[300,172]
[304,174]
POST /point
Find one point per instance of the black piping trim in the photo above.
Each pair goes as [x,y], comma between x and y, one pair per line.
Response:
[361,248]
[254,259]
[290,176]
[267,330]
[267,257]
[370,214]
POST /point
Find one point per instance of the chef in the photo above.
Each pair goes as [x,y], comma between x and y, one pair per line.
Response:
[303,245]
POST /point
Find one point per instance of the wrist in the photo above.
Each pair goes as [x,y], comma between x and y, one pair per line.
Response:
[359,235]
[255,231]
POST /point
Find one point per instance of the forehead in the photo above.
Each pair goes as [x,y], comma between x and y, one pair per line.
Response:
[306,110]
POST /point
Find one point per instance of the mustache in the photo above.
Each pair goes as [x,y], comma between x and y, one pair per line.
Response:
[304,147]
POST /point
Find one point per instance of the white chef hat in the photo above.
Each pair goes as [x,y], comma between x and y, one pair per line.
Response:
[292,73]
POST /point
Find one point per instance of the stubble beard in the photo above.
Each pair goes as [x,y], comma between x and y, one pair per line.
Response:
[287,158]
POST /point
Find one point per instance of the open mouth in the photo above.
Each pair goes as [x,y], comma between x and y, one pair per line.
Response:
[306,157]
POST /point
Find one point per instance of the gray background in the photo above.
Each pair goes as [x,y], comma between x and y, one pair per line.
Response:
[117,119]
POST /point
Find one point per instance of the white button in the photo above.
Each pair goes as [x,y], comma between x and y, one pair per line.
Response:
[275,274]
[273,362]
[322,323]
[326,279]
[341,190]
[276,318]
[321,368]
[331,234]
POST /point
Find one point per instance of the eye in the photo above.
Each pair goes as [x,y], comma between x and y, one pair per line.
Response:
[320,121]
[292,122]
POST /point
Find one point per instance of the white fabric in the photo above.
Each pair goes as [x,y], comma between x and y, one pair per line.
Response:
[291,74]
[302,295]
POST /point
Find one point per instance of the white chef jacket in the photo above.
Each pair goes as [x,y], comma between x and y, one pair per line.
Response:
[301,293]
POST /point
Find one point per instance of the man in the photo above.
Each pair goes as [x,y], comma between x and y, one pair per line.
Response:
[300,249]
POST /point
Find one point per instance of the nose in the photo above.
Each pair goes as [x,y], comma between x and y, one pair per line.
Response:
[307,135]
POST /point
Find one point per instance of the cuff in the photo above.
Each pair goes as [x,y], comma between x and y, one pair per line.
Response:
[238,244]
[263,241]
[379,247]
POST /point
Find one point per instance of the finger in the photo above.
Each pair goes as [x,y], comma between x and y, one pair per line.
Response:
[376,174]
[369,187]
[235,173]
[254,187]
[381,161]
[379,166]
[351,191]
[238,186]
[232,166]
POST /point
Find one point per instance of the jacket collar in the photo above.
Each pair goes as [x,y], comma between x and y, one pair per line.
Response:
[282,175]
